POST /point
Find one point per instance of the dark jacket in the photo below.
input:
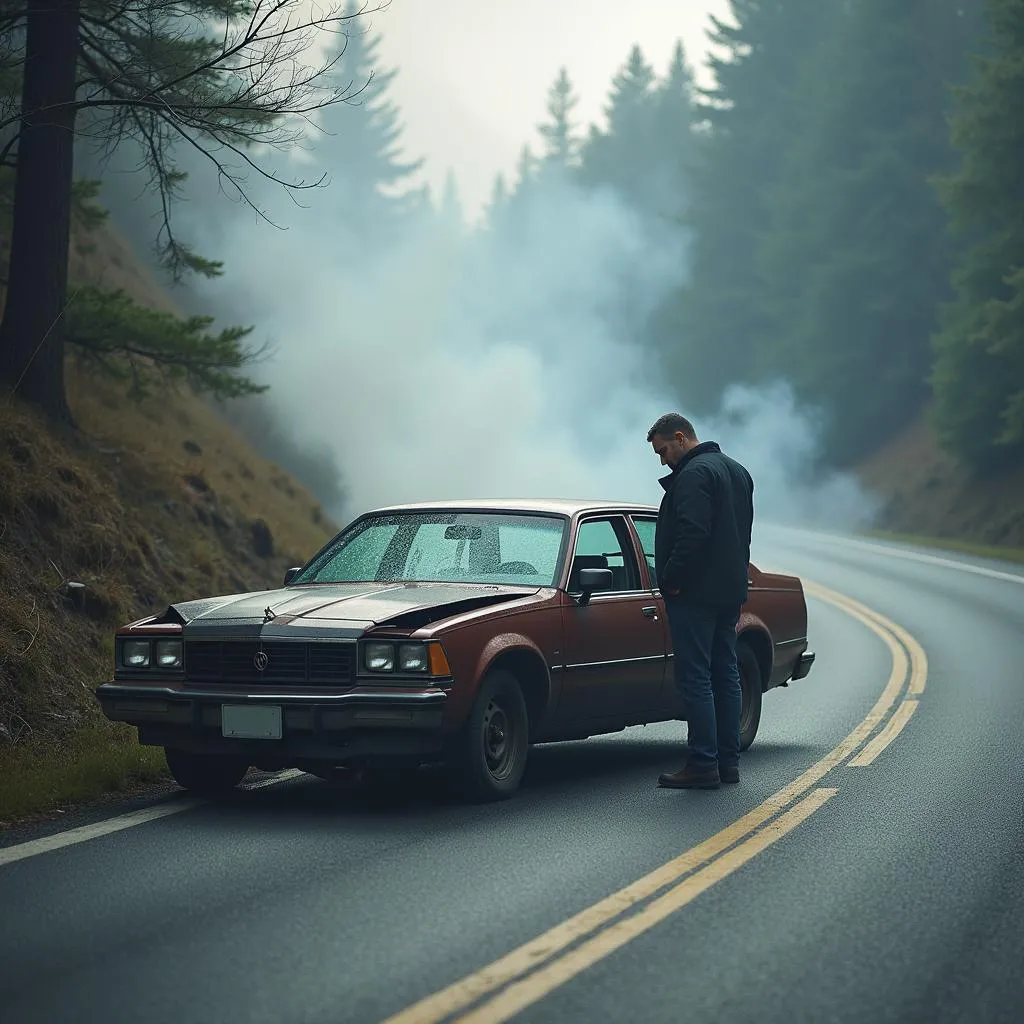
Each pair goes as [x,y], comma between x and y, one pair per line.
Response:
[702,541]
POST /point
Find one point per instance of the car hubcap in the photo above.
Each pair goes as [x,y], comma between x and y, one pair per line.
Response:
[499,739]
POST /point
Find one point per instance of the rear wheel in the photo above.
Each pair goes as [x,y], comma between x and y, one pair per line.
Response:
[750,689]
[205,774]
[489,756]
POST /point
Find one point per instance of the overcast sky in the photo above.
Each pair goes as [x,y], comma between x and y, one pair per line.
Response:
[474,74]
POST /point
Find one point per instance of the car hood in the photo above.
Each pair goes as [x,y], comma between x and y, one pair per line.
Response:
[360,605]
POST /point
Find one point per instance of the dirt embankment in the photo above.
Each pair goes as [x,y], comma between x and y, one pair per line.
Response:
[927,494]
[144,505]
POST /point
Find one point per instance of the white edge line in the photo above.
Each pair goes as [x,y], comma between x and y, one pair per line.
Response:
[913,556]
[84,833]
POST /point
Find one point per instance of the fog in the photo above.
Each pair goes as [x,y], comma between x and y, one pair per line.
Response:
[494,363]
[438,360]
[472,96]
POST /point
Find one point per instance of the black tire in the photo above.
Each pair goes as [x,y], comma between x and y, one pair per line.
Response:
[751,691]
[488,758]
[205,774]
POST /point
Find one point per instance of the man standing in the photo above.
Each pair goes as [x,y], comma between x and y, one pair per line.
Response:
[701,554]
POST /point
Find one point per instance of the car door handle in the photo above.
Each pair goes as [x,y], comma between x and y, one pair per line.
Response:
[650,611]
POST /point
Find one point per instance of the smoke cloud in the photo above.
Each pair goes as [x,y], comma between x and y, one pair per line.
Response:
[493,361]
[778,440]
[499,362]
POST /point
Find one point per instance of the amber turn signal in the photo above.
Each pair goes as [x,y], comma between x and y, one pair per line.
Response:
[438,660]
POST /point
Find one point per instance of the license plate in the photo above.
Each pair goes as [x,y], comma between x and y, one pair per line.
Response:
[250,721]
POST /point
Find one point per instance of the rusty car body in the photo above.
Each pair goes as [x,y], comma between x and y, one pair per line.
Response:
[458,632]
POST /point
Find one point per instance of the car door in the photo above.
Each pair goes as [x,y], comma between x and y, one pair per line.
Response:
[614,644]
[645,527]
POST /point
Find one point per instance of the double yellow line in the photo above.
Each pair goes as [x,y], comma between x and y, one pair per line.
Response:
[507,986]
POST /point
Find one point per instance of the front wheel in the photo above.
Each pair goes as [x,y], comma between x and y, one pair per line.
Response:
[205,774]
[489,756]
[750,690]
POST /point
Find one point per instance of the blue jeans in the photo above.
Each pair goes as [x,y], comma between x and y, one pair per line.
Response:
[708,680]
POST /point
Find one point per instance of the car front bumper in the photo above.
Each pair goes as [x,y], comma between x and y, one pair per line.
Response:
[314,726]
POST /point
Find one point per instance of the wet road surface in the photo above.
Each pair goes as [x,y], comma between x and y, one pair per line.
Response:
[892,892]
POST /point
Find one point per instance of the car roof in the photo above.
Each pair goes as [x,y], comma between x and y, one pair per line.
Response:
[558,506]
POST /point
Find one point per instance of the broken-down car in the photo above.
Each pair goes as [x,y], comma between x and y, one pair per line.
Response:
[454,632]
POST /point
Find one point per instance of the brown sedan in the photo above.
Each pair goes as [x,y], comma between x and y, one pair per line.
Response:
[460,632]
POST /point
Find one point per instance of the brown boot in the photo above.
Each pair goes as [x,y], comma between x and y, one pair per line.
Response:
[729,772]
[691,778]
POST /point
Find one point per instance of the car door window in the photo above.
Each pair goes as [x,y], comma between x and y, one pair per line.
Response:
[645,529]
[605,544]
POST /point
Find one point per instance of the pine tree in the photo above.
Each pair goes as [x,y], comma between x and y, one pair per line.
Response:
[622,154]
[978,375]
[561,144]
[674,135]
[495,210]
[629,100]
[148,70]
[526,177]
[746,130]
[858,257]
[679,90]
[675,105]
[369,187]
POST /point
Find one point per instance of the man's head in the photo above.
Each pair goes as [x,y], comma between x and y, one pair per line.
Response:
[671,437]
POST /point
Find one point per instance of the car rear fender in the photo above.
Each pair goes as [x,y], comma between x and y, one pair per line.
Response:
[752,632]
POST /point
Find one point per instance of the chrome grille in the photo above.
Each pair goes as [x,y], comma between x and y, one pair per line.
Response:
[234,661]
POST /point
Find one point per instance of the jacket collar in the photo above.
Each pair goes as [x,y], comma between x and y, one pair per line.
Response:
[700,449]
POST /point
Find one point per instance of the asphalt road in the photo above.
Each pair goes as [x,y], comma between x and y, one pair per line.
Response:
[899,897]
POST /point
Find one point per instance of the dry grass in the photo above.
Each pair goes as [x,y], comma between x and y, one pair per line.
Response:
[141,520]
[105,259]
[144,505]
[82,766]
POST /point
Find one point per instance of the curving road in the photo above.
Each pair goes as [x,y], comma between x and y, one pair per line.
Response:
[888,891]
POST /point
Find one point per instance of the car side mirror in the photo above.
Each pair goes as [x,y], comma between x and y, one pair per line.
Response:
[290,574]
[594,579]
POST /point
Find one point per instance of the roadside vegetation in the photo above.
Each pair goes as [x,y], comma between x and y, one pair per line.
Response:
[120,488]
[144,504]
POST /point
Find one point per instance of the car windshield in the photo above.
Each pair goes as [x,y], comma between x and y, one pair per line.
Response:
[456,547]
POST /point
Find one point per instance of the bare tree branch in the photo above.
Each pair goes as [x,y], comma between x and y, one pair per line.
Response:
[230,79]
[8,150]
[153,71]
[250,68]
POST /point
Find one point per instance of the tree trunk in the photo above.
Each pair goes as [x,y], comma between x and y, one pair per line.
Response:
[31,343]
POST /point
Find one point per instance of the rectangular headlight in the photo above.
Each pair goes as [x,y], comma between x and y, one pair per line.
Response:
[136,653]
[380,657]
[412,658]
[169,654]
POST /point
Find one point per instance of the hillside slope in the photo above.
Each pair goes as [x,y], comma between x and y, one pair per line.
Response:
[927,494]
[145,504]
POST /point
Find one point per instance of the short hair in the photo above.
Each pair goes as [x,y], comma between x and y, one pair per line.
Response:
[669,424]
